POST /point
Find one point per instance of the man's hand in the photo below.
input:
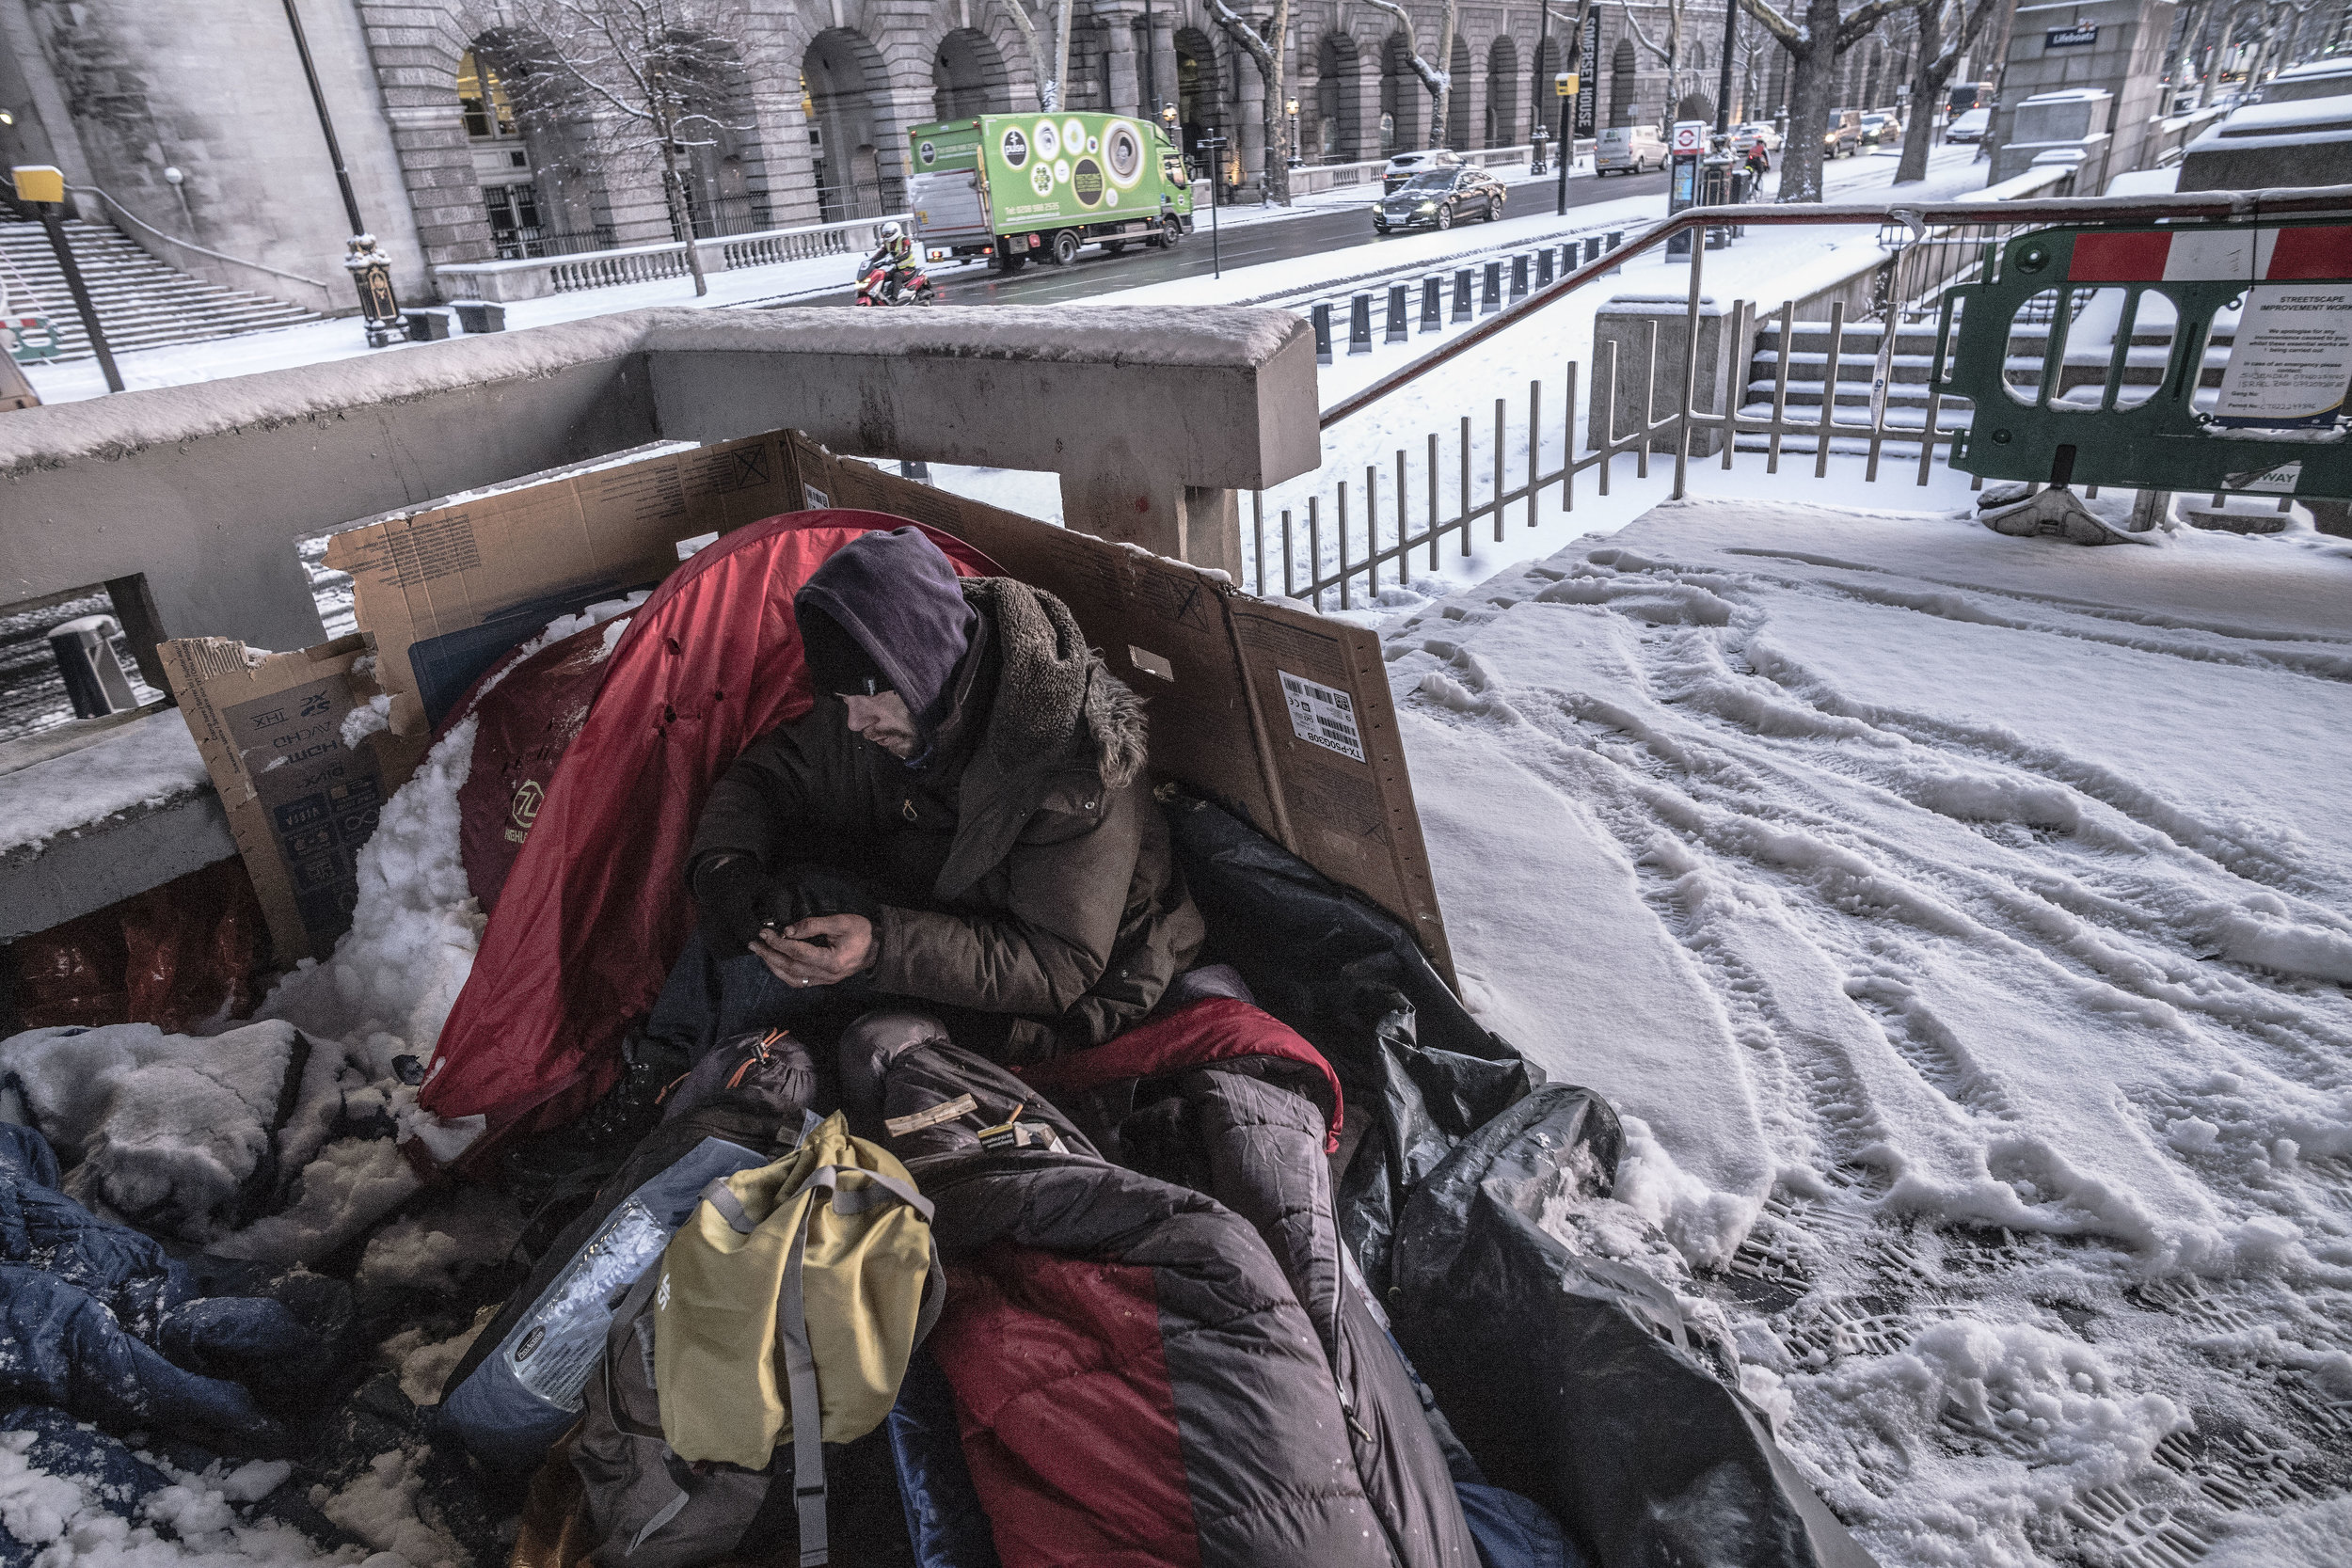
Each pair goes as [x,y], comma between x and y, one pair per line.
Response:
[794,955]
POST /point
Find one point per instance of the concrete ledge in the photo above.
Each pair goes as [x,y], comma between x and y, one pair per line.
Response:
[203,488]
[110,860]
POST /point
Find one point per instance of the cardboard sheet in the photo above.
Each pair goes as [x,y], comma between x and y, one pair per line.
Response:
[445,591]
[300,803]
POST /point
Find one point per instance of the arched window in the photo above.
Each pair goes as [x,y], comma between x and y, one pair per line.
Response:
[482,99]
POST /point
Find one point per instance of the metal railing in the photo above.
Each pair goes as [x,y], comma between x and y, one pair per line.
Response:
[1379,529]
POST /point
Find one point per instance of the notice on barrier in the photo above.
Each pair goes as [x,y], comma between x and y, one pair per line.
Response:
[2293,358]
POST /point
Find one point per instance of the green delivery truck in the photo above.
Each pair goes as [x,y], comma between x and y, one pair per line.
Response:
[1014,186]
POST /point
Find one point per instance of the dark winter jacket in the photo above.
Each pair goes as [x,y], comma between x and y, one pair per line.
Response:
[1020,866]
[98,1321]
[1143,1375]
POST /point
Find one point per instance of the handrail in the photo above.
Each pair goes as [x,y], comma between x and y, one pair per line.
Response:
[191,245]
[2241,206]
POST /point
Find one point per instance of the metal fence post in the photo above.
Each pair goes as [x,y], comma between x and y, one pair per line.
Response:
[1321,313]
[1359,324]
[1432,302]
[1490,295]
[1518,278]
[1592,247]
[1397,332]
[1462,295]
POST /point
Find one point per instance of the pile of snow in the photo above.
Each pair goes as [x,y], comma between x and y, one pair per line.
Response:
[1960,923]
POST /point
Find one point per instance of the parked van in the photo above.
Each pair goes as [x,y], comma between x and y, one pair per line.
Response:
[1629,150]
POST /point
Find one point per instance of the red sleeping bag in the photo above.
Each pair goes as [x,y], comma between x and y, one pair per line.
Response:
[594,910]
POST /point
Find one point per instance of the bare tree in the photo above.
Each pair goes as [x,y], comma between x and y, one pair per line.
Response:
[650,80]
[1049,57]
[1815,36]
[1668,51]
[2277,23]
[1439,82]
[1948,29]
[1266,48]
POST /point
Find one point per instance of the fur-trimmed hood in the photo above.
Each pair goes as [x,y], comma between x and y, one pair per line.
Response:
[1056,702]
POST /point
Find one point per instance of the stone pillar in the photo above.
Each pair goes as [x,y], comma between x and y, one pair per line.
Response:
[1163,55]
[1126,87]
[1248,131]
[1367,89]
[1624,320]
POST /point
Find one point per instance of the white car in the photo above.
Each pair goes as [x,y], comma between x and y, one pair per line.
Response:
[1969,126]
[1406,165]
[1756,131]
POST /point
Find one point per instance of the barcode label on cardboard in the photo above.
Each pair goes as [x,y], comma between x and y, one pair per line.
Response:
[1319,714]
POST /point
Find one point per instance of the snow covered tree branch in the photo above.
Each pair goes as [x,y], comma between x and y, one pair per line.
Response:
[1438,82]
[1814,36]
[1266,50]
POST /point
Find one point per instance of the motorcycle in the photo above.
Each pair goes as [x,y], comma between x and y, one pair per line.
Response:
[881,283]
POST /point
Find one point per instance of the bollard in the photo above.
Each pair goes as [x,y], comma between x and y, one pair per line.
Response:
[94,681]
[480,315]
[1397,330]
[1490,296]
[1432,302]
[1359,324]
[1518,278]
[1543,268]
[1323,333]
[1592,249]
[1462,295]
[1616,238]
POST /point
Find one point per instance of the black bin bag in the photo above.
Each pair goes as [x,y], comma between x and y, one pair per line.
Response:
[1574,1378]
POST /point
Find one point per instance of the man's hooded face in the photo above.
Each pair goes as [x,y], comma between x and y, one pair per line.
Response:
[883,625]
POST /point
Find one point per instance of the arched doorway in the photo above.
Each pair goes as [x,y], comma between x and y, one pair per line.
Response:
[1199,103]
[1336,136]
[1503,92]
[542,189]
[844,92]
[968,78]
[1622,108]
[1401,98]
[1457,104]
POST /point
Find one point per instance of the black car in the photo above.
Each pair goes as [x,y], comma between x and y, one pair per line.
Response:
[1435,197]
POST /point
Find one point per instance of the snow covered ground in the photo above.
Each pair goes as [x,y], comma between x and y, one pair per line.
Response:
[1966,923]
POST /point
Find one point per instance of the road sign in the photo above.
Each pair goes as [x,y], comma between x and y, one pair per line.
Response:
[1690,137]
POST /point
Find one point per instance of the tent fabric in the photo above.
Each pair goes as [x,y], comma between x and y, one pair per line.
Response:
[594,910]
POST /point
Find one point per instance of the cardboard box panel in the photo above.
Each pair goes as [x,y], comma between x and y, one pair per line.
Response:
[300,803]
[446,591]
[1278,713]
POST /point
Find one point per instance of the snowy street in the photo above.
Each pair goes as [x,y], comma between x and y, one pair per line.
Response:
[1967,920]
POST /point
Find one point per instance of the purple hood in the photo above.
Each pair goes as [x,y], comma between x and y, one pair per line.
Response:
[897,594]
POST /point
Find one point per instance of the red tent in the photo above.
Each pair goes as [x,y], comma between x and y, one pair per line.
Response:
[594,910]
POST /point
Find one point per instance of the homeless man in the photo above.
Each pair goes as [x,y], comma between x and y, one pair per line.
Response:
[961,819]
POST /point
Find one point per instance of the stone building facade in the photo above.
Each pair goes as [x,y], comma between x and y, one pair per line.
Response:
[820,97]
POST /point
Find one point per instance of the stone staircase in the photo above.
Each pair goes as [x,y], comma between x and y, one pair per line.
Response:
[141,303]
[1911,357]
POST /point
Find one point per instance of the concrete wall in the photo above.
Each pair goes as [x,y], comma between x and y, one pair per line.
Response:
[216,90]
[2128,60]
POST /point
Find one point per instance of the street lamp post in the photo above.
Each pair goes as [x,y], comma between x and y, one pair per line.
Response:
[371,269]
[42,187]
[1565,86]
[1535,163]
[1151,48]
[1290,106]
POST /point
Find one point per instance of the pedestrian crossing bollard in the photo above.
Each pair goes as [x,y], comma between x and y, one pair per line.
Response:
[1490,298]
[1592,249]
[1518,278]
[1462,295]
[1432,302]
[1359,324]
[1397,332]
[1543,268]
[1616,238]
[1323,333]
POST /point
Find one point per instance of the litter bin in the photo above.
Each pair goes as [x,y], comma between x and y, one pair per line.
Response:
[92,666]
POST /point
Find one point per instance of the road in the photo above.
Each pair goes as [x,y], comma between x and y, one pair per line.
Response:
[1246,245]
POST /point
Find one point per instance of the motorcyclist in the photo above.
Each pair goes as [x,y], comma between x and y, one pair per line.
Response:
[896,254]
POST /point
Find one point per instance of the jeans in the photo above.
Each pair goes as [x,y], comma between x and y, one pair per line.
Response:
[708,999]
